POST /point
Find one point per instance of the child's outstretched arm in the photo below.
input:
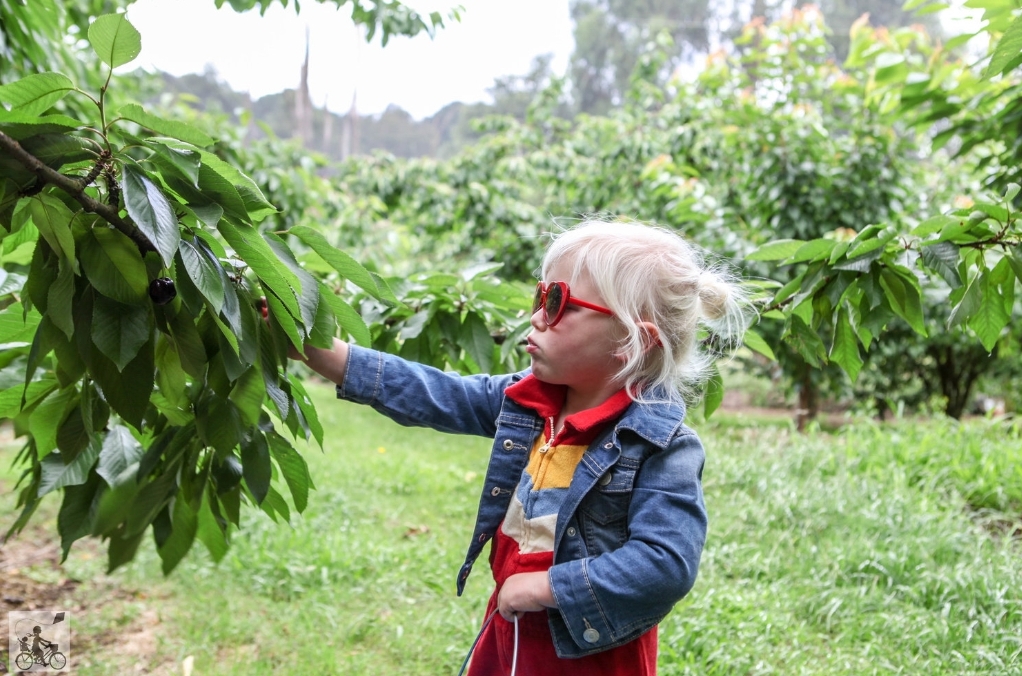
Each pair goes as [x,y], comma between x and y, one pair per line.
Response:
[331,363]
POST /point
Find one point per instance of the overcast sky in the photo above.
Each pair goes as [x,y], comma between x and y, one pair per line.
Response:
[263,54]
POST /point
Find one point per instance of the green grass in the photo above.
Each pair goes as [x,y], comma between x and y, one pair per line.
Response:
[852,554]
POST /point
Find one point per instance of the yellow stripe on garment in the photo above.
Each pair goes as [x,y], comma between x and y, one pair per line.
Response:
[554,468]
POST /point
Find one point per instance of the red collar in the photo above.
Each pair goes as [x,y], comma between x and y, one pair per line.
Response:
[547,400]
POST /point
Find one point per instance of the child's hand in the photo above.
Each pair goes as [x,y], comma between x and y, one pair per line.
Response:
[264,311]
[525,593]
[330,363]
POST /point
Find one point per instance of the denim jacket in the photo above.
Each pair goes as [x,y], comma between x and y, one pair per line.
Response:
[631,531]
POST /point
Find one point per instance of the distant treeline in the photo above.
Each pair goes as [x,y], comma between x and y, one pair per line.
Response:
[338,135]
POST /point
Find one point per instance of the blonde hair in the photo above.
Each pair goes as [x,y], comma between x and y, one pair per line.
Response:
[650,274]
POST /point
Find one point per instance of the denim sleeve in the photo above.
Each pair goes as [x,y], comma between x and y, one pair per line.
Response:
[615,597]
[422,396]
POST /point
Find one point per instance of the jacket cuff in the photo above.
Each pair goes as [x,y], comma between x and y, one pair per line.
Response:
[577,604]
[363,375]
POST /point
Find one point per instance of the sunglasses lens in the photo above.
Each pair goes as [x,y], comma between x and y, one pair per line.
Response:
[537,300]
[554,303]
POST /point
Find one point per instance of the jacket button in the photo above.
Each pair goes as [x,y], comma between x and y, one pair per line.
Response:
[571,531]
[605,479]
[609,445]
[482,537]
[508,444]
[496,491]
[591,635]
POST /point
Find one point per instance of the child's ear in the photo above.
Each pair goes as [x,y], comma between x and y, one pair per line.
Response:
[650,336]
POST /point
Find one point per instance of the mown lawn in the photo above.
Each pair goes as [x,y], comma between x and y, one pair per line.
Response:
[876,550]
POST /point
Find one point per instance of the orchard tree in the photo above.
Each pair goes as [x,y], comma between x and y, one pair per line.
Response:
[146,318]
[845,288]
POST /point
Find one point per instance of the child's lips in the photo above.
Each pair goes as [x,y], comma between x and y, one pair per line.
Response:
[531,347]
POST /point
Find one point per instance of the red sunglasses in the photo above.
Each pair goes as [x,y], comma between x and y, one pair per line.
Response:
[553,297]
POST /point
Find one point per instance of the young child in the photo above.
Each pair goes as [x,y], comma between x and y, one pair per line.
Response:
[592,497]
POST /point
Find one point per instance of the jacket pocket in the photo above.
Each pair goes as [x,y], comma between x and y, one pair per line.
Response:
[603,513]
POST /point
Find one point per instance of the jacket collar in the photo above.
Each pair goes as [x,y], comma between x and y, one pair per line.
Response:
[547,400]
[655,422]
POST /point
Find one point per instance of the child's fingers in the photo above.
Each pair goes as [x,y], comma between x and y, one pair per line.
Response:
[264,310]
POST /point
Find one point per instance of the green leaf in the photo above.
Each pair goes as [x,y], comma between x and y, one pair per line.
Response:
[349,319]
[10,399]
[251,248]
[173,128]
[248,395]
[183,162]
[275,504]
[256,205]
[308,292]
[46,418]
[53,219]
[903,295]
[74,521]
[344,264]
[73,435]
[476,340]
[1015,260]
[209,214]
[218,423]
[55,150]
[113,265]
[59,298]
[209,532]
[122,548]
[294,468]
[805,341]
[32,95]
[814,250]
[714,392]
[19,125]
[190,348]
[205,272]
[16,327]
[777,250]
[942,258]
[966,307]
[55,474]
[255,463]
[1007,50]
[213,198]
[115,40]
[185,524]
[991,316]
[119,330]
[755,342]
[151,211]
[280,317]
[845,349]
[154,495]
[120,450]
[114,505]
[308,410]
[867,246]
[933,225]
[126,390]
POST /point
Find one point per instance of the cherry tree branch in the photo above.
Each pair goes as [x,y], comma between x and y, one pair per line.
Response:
[76,189]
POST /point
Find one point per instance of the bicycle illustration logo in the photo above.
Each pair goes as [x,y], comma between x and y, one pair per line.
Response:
[37,638]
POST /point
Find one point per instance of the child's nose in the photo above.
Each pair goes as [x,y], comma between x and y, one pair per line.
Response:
[538,320]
